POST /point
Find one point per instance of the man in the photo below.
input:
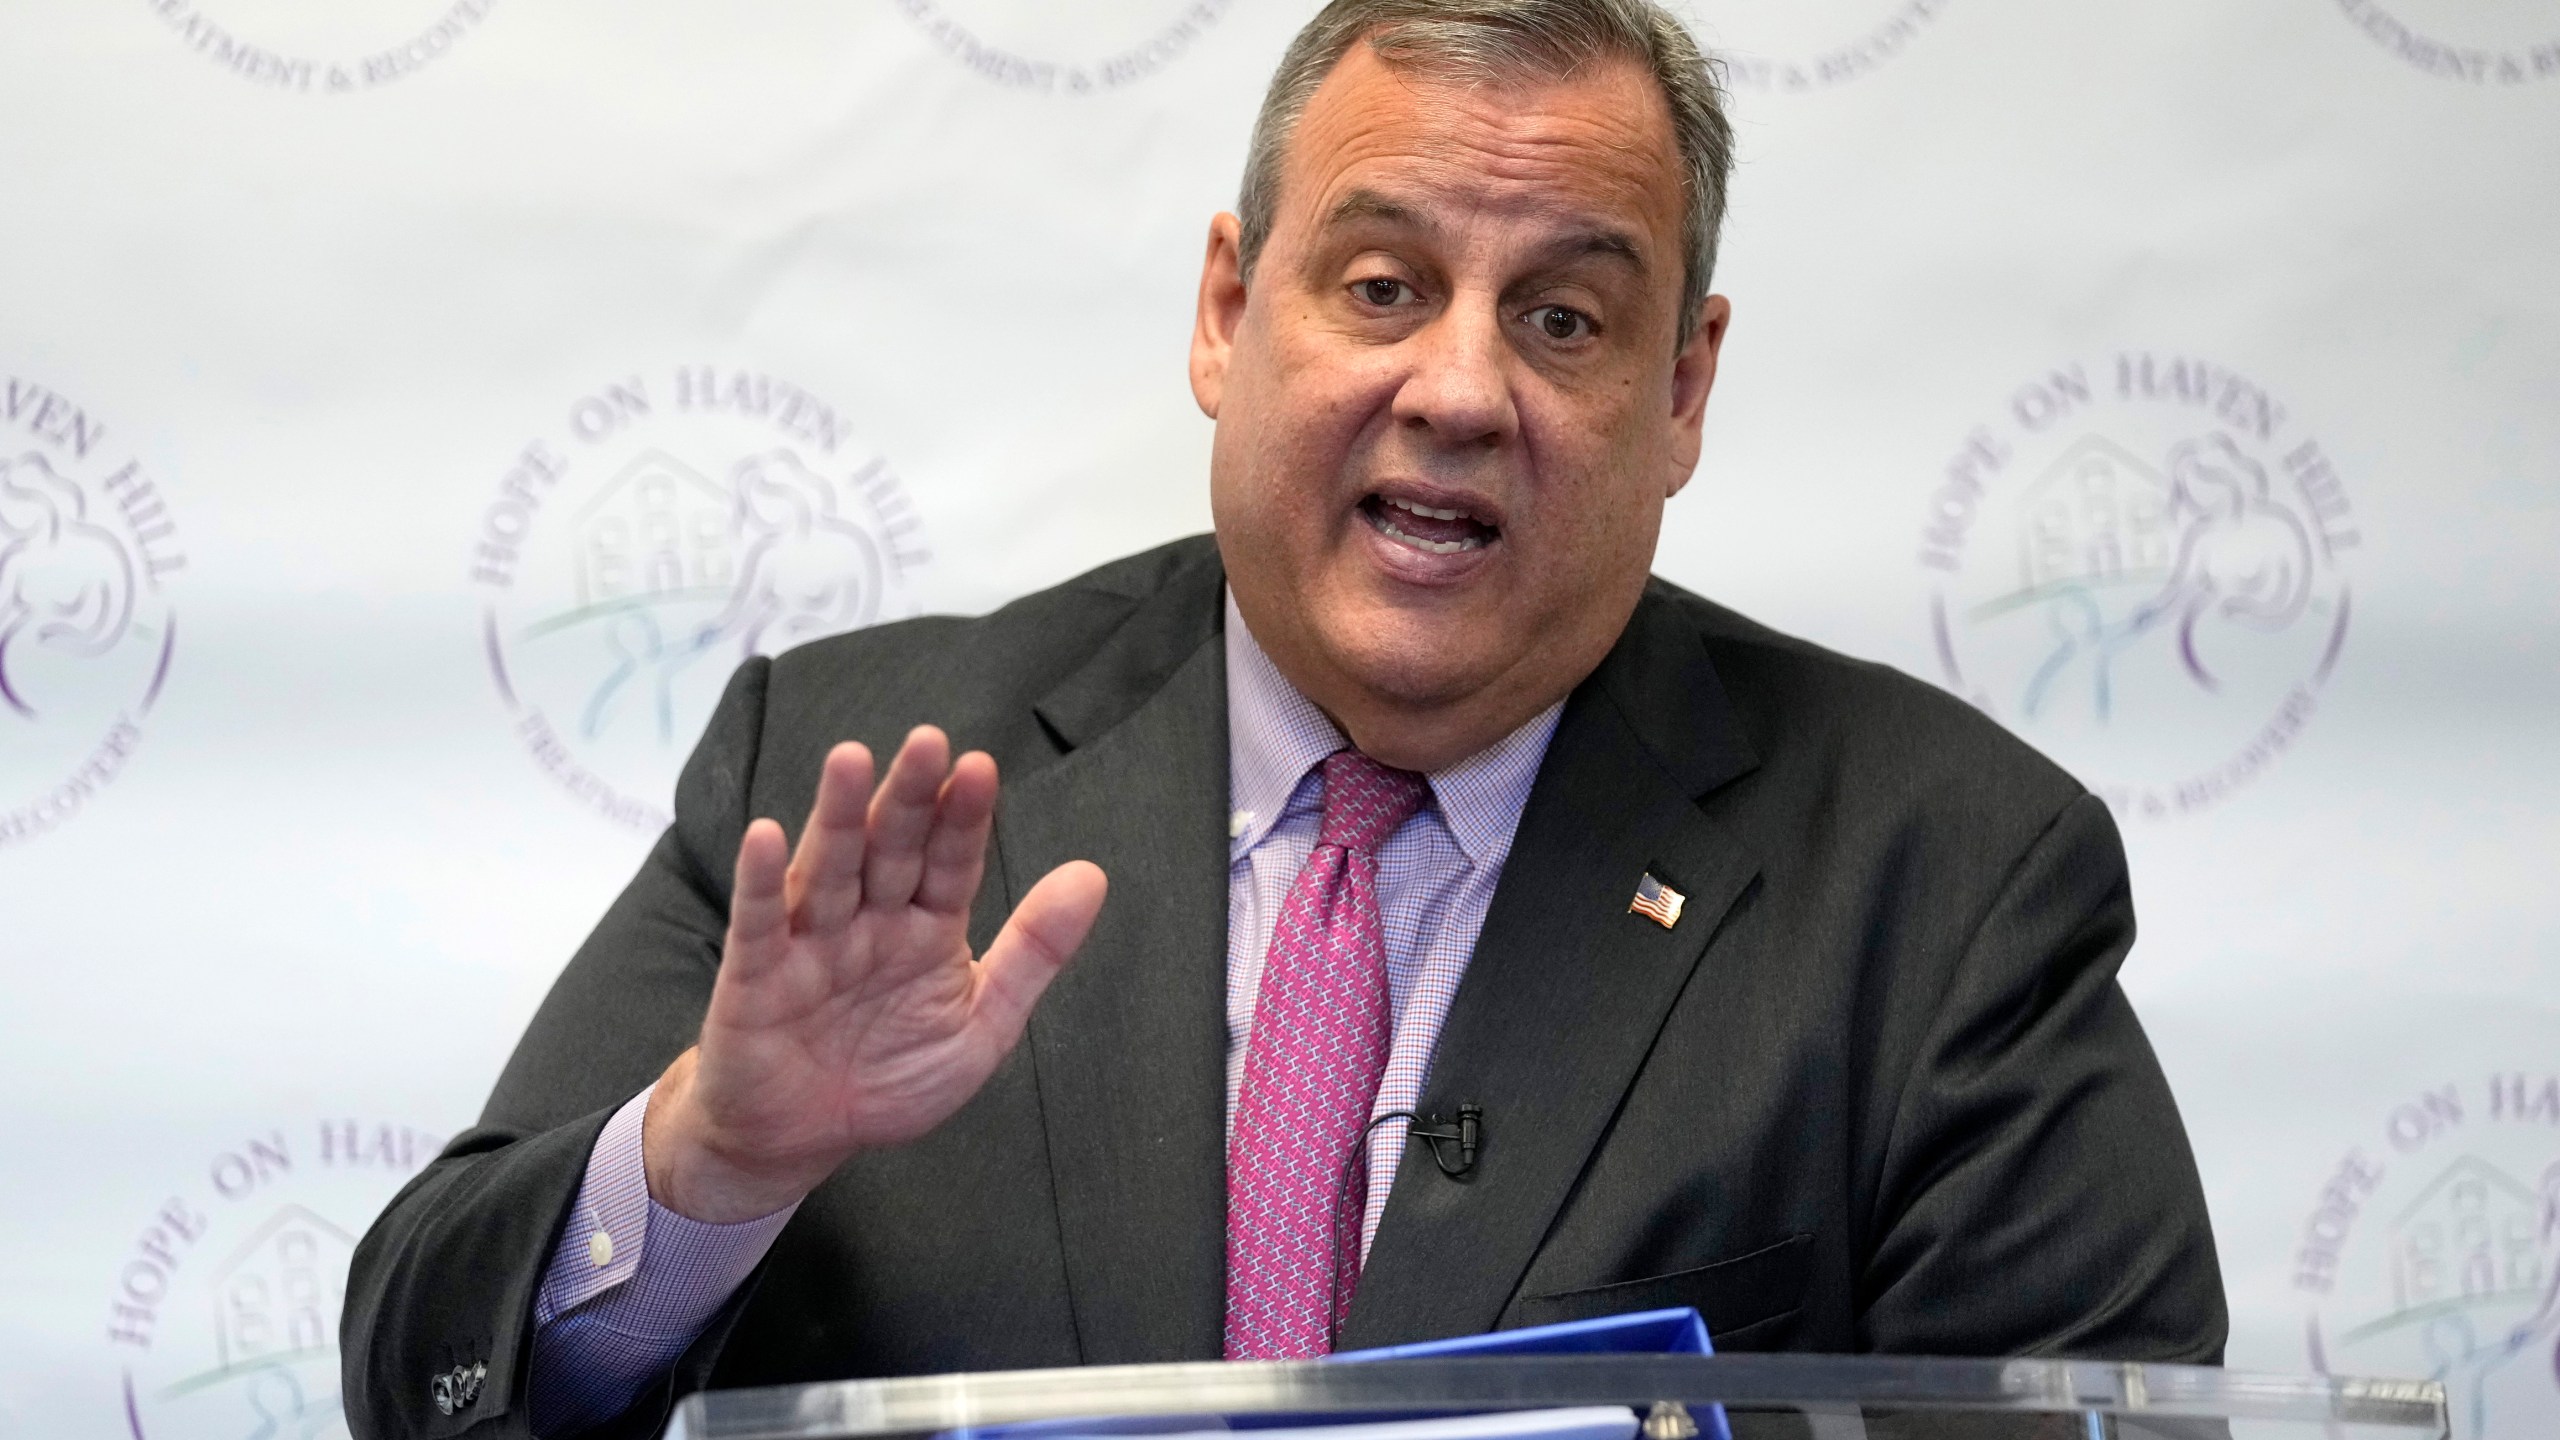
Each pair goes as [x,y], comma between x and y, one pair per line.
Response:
[1769,982]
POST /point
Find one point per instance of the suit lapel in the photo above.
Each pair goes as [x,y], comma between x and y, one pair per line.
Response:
[1567,988]
[1130,1043]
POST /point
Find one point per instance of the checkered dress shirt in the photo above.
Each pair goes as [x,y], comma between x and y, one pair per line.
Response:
[1436,875]
[612,1315]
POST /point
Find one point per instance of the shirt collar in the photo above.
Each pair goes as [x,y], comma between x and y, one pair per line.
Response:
[1276,735]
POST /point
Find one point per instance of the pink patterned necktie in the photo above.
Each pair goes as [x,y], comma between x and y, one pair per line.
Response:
[1321,1027]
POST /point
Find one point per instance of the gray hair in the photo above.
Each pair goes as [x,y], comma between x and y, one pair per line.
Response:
[1498,40]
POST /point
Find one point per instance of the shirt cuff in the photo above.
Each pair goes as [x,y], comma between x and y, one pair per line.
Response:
[630,1284]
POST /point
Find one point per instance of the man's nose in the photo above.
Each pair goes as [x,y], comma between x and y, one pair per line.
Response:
[1458,386]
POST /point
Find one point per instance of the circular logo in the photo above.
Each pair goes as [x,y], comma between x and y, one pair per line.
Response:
[1795,45]
[2482,42]
[1076,49]
[333,49]
[86,633]
[2139,567]
[679,523]
[2434,1250]
[224,1314]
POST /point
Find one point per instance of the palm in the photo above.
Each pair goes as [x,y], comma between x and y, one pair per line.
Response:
[849,1012]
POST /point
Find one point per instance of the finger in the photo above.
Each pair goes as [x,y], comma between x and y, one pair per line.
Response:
[825,885]
[1044,933]
[902,815]
[759,920]
[955,854]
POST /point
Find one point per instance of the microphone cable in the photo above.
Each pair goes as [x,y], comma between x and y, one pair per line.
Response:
[1467,1134]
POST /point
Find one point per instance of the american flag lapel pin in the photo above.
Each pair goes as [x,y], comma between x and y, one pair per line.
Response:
[1657,902]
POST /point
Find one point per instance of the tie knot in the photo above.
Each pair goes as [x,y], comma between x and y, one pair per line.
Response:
[1365,801]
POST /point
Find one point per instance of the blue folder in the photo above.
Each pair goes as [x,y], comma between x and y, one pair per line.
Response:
[1649,1332]
[1646,1332]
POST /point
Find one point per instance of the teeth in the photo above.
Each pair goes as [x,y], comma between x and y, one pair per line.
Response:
[1425,511]
[1436,547]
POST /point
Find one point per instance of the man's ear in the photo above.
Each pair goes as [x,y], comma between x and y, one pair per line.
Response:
[1693,374]
[1213,331]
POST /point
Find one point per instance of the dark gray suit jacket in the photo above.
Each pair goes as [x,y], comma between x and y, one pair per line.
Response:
[1876,1091]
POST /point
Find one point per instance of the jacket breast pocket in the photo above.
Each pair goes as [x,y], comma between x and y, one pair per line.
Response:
[1746,1300]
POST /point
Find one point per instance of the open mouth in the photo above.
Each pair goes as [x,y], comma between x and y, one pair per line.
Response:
[1434,530]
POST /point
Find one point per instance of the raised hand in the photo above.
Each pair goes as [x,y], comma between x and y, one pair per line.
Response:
[848,1012]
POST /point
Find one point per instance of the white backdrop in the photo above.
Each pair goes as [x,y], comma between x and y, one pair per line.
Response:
[396,390]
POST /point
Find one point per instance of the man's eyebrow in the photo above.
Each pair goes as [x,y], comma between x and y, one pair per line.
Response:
[1370,205]
[1615,244]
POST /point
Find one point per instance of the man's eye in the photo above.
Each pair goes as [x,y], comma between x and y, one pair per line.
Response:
[1381,292]
[1560,323]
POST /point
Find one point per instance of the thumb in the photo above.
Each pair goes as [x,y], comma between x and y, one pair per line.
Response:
[1044,932]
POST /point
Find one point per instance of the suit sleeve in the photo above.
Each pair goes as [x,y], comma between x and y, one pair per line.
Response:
[448,1276]
[2039,1196]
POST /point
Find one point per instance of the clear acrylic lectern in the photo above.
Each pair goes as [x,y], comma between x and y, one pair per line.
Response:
[1666,1397]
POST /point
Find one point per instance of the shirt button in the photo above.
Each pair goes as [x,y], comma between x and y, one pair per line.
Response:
[1238,823]
[600,1249]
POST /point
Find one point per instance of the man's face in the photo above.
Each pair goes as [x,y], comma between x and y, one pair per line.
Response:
[1452,401]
